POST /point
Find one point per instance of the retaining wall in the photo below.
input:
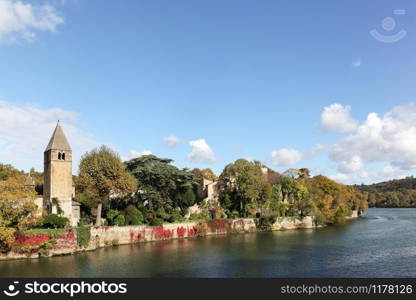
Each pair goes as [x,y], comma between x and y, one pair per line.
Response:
[110,236]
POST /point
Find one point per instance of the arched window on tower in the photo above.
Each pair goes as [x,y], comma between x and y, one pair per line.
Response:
[59,156]
[63,156]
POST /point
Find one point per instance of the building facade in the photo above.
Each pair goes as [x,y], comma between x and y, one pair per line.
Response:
[58,188]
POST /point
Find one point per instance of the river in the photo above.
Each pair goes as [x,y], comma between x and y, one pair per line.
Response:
[381,244]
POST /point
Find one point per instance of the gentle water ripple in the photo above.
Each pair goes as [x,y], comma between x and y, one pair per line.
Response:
[382,244]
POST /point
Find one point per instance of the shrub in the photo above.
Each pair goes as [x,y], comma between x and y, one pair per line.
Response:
[319,219]
[120,220]
[176,216]
[156,222]
[53,233]
[86,220]
[266,222]
[202,229]
[111,215]
[6,238]
[340,217]
[53,221]
[32,243]
[83,236]
[133,216]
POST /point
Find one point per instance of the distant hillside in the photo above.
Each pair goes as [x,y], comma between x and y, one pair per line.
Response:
[394,193]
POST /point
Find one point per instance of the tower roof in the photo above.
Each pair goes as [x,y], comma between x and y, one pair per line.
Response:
[58,140]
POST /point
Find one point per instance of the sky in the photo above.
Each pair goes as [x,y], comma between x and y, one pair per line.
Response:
[328,85]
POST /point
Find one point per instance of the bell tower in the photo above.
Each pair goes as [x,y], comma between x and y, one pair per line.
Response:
[58,174]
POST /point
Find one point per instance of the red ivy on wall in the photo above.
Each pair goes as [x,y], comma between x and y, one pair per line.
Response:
[219,226]
[181,232]
[192,232]
[162,233]
[67,240]
[30,243]
[139,237]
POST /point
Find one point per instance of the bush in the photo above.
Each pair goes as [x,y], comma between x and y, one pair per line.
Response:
[83,236]
[266,222]
[156,222]
[319,219]
[53,233]
[133,216]
[120,220]
[111,215]
[86,220]
[53,221]
[6,238]
[32,243]
[176,217]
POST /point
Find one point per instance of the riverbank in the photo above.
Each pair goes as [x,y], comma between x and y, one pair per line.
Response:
[97,238]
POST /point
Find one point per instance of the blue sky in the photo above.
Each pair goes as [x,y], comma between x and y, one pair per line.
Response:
[228,79]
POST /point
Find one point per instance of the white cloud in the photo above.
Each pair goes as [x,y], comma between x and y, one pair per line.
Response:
[286,157]
[337,118]
[25,131]
[356,63]
[201,152]
[390,138]
[387,173]
[341,178]
[135,154]
[352,165]
[172,141]
[19,20]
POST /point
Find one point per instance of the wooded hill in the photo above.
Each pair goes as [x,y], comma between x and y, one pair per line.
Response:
[394,193]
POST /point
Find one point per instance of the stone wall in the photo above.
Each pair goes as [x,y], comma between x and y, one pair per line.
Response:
[290,223]
[106,236]
[110,236]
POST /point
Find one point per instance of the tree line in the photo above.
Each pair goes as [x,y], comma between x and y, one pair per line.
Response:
[393,193]
[151,190]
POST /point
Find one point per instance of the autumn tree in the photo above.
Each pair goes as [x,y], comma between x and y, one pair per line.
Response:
[102,175]
[12,184]
[205,174]
[15,215]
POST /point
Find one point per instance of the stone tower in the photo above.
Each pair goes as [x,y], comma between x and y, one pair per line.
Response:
[58,174]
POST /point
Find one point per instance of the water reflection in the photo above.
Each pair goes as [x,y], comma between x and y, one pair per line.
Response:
[379,245]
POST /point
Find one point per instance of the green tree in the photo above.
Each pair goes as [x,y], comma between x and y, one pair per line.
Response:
[102,175]
[246,186]
[163,188]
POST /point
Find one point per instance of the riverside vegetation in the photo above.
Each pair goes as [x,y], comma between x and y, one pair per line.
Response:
[151,191]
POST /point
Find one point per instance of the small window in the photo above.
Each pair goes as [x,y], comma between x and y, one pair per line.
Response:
[59,156]
[63,156]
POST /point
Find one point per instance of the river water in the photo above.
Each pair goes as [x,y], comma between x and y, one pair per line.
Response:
[381,244]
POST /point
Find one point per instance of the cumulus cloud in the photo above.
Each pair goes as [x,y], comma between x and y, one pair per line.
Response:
[20,21]
[341,178]
[172,141]
[388,138]
[201,152]
[25,131]
[286,157]
[135,154]
[337,118]
[352,165]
